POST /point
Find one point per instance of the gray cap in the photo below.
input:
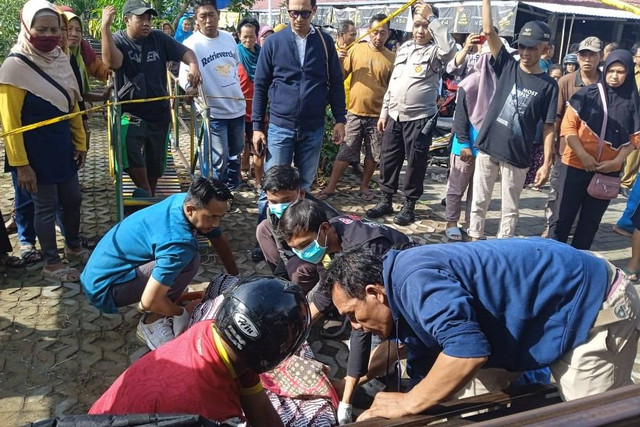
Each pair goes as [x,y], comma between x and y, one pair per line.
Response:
[593,44]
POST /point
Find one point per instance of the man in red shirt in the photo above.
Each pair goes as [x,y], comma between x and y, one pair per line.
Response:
[212,369]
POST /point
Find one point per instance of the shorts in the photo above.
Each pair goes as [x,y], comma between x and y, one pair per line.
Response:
[360,129]
[147,145]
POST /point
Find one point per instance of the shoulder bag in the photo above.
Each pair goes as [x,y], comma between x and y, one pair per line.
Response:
[603,187]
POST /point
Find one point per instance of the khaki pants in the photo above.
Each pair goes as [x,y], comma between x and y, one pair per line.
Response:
[602,363]
[484,178]
[630,171]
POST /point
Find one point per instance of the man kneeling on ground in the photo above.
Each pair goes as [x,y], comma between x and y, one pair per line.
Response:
[281,184]
[312,236]
[489,310]
[151,256]
[212,369]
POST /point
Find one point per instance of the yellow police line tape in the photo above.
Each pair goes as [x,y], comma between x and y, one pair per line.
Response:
[383,22]
[622,5]
[70,116]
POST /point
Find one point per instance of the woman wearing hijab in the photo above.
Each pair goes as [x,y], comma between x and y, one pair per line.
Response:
[37,83]
[582,126]
[248,51]
[264,32]
[184,30]
[98,69]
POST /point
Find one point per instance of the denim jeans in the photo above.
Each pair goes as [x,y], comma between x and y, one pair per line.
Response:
[61,199]
[24,213]
[286,146]
[227,140]
[625,222]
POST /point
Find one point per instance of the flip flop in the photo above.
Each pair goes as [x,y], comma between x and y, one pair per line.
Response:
[366,196]
[325,196]
[453,233]
[65,274]
[12,261]
[30,254]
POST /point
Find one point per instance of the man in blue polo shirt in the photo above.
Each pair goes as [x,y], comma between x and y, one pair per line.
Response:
[151,256]
[510,305]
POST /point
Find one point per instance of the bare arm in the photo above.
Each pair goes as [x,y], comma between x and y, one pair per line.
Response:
[111,55]
[155,299]
[223,249]
[193,76]
[495,44]
[548,135]
[259,410]
[447,376]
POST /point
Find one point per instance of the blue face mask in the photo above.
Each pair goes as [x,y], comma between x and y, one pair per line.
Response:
[278,208]
[313,252]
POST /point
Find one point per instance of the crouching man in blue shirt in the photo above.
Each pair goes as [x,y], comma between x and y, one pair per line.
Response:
[151,256]
[473,315]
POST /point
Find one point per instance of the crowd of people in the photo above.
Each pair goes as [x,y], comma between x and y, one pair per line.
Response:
[468,317]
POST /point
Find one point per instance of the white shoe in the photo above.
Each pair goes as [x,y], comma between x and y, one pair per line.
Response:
[157,333]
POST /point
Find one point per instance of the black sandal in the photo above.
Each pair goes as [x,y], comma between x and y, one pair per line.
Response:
[12,261]
[30,255]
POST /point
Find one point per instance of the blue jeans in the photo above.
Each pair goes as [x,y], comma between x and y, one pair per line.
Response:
[625,221]
[25,213]
[286,146]
[227,140]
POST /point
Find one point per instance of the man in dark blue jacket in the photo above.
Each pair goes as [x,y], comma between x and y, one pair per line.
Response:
[298,72]
[505,306]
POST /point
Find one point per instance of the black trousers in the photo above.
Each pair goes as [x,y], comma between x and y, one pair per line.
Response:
[573,197]
[404,140]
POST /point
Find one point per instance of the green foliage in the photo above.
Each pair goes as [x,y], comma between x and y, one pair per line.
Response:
[241,6]
[9,24]
[329,150]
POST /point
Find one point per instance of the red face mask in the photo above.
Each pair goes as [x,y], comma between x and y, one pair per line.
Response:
[44,43]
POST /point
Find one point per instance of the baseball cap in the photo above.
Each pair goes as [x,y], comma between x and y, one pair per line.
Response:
[533,33]
[593,44]
[138,7]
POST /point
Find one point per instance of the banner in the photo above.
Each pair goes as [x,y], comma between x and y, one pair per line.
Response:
[467,17]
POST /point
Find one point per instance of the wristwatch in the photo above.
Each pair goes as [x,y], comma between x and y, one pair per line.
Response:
[141,309]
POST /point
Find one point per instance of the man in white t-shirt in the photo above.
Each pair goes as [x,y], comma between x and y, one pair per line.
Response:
[217,54]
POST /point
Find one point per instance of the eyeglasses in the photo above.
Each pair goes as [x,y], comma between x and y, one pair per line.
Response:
[305,14]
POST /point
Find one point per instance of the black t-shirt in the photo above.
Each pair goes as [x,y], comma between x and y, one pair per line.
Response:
[144,63]
[354,231]
[520,102]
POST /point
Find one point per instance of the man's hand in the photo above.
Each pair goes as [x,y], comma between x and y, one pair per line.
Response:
[27,179]
[588,162]
[190,94]
[108,15]
[338,133]
[342,53]
[472,39]
[466,155]
[259,139]
[193,77]
[609,166]
[386,405]
[382,124]
[80,158]
[424,10]
[542,175]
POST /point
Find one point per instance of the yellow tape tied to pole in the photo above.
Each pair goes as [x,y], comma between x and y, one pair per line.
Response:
[623,6]
[383,22]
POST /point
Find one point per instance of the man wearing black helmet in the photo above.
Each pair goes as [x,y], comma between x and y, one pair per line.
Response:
[212,369]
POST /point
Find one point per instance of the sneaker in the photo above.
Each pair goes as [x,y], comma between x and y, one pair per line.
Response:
[384,207]
[406,215]
[155,334]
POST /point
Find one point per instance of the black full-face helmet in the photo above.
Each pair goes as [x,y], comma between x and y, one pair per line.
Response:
[264,319]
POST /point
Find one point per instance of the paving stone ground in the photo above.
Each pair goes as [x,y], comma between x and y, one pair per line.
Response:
[58,353]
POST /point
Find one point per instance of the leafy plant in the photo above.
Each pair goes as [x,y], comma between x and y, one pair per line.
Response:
[329,150]
[9,25]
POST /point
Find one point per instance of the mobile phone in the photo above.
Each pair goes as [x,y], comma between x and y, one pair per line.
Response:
[481,39]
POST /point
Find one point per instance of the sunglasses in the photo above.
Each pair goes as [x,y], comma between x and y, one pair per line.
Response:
[294,14]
